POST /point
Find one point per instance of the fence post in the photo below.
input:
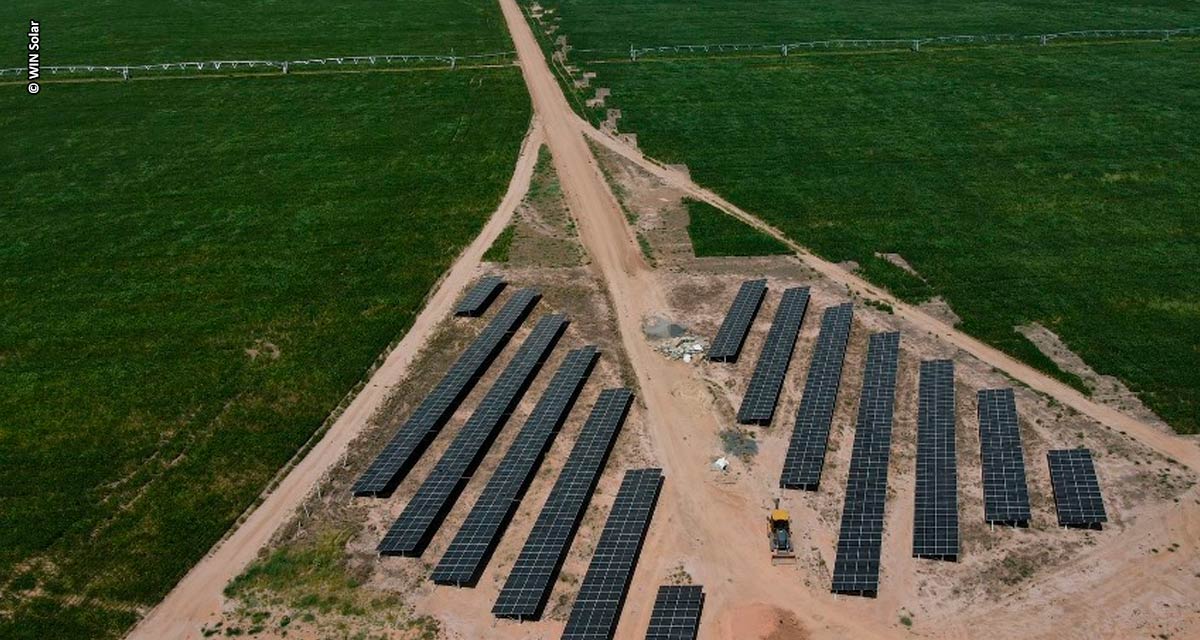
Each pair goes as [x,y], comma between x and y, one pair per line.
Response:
[916,46]
[785,50]
[1042,40]
[124,73]
[632,54]
[285,67]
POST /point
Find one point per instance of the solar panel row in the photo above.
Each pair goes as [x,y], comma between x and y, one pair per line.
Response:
[1076,489]
[676,614]
[1005,494]
[856,568]
[411,532]
[602,594]
[528,585]
[480,297]
[475,541]
[409,442]
[935,518]
[758,405]
[732,335]
[806,451]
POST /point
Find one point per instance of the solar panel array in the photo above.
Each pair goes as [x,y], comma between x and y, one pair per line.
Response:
[410,533]
[1076,489]
[602,594]
[758,406]
[529,583]
[935,519]
[480,297]
[410,441]
[676,614]
[806,452]
[1005,494]
[856,568]
[475,541]
[732,335]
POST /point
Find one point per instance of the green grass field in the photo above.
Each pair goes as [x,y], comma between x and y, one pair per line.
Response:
[604,28]
[147,31]
[195,272]
[715,234]
[1056,184]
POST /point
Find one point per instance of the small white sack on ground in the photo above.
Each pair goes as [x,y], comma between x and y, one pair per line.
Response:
[721,464]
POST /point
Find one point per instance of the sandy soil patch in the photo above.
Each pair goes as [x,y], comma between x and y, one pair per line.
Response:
[1106,389]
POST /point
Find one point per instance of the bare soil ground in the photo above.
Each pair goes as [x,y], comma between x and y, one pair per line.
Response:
[1139,577]
[1107,389]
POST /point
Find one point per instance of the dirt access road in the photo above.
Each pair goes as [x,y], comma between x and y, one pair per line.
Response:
[718,527]
[715,525]
[197,599]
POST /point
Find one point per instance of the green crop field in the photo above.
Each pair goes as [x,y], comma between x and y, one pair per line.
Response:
[1025,184]
[146,31]
[715,234]
[195,272]
[603,28]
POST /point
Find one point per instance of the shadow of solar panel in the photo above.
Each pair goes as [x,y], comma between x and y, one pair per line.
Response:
[1005,493]
[676,614]
[411,532]
[935,517]
[476,540]
[403,450]
[602,594]
[480,297]
[528,585]
[806,452]
[856,568]
[727,345]
[1076,489]
[758,405]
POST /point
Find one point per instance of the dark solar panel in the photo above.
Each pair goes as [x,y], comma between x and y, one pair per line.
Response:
[532,577]
[856,569]
[1005,494]
[480,297]
[1076,490]
[758,406]
[935,518]
[676,614]
[806,452]
[410,441]
[601,596]
[732,335]
[471,548]
[411,532]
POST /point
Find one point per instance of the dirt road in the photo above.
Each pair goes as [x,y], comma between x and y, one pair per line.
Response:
[716,527]
[1166,443]
[197,599]
[713,526]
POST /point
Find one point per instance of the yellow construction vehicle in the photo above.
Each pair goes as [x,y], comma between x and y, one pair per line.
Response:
[779,531]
